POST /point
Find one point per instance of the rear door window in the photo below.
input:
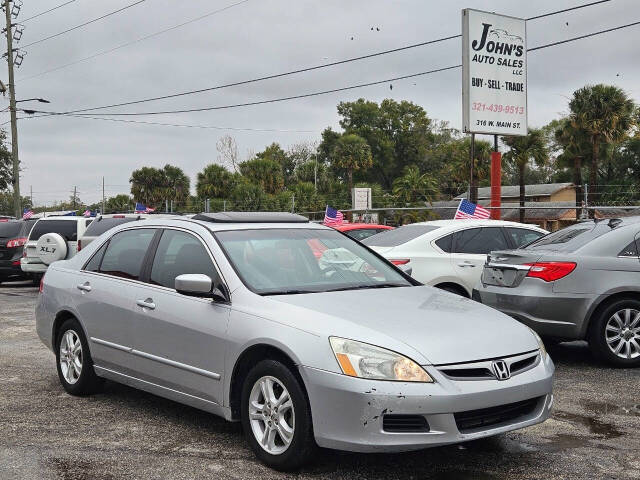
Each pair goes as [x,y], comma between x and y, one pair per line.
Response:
[480,241]
[179,253]
[98,227]
[93,265]
[393,238]
[522,236]
[630,250]
[67,229]
[445,243]
[125,253]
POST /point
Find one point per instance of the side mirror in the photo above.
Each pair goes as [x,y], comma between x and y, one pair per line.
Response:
[405,268]
[199,285]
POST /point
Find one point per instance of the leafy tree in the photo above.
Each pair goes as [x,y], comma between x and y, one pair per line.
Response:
[247,196]
[214,181]
[175,183]
[118,203]
[605,113]
[6,203]
[146,185]
[414,186]
[275,153]
[6,163]
[265,172]
[524,150]
[398,133]
[351,153]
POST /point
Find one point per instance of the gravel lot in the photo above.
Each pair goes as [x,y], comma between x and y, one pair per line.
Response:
[126,434]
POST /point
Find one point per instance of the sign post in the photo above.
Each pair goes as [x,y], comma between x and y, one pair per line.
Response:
[494,82]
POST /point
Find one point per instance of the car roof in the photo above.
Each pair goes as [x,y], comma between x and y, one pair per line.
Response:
[64,217]
[358,226]
[457,224]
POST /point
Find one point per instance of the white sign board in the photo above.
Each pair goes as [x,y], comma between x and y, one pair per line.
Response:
[494,74]
[361,198]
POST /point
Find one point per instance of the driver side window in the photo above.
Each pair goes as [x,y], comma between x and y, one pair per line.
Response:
[180,253]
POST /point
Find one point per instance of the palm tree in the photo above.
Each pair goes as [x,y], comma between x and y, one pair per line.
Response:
[575,152]
[414,186]
[605,113]
[351,153]
[214,181]
[523,150]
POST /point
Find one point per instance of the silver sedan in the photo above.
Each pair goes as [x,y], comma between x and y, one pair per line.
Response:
[249,317]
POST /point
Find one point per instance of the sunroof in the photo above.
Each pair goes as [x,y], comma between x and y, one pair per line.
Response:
[251,217]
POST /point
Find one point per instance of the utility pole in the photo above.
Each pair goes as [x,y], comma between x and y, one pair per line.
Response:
[75,189]
[17,201]
[103,196]
[31,194]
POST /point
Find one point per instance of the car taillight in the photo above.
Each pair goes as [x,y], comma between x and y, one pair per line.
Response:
[118,216]
[16,242]
[399,261]
[79,245]
[550,271]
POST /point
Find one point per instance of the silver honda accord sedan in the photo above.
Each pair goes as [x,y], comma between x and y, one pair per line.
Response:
[301,333]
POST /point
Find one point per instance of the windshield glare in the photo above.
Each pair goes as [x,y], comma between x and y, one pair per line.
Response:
[287,261]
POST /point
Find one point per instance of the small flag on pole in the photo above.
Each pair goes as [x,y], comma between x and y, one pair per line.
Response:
[27,213]
[333,217]
[87,213]
[142,208]
[467,209]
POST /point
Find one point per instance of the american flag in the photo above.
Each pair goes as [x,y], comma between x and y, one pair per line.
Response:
[142,208]
[27,213]
[87,213]
[467,209]
[333,217]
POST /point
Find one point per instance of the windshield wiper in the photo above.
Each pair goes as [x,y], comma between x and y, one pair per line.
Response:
[288,292]
[363,287]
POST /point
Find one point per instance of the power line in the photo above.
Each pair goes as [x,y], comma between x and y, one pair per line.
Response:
[83,24]
[127,44]
[46,11]
[325,92]
[316,67]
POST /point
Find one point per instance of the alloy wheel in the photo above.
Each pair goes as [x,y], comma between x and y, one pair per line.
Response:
[622,333]
[71,356]
[271,415]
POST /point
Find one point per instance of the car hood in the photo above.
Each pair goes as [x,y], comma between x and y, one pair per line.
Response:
[443,327]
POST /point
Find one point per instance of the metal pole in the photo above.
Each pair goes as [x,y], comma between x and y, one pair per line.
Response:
[472,162]
[31,194]
[496,179]
[75,192]
[224,205]
[17,201]
[103,202]
[166,205]
[293,203]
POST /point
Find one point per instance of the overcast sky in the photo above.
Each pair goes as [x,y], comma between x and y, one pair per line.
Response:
[262,37]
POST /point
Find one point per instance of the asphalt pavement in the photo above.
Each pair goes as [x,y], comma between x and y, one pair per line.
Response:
[123,433]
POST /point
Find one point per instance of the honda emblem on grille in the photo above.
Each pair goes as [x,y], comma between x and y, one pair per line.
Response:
[501,370]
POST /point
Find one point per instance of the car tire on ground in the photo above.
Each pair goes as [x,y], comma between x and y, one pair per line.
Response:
[73,360]
[276,417]
[614,335]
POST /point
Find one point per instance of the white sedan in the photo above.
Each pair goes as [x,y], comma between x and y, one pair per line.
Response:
[450,254]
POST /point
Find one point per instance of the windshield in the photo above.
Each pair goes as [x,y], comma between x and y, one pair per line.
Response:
[288,261]
[393,238]
[10,229]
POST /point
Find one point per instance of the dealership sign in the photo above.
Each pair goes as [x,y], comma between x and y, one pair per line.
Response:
[494,73]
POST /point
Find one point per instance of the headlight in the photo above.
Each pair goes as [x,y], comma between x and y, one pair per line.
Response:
[362,360]
[543,350]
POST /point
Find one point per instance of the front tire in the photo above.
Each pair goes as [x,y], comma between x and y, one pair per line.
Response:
[276,417]
[615,334]
[73,360]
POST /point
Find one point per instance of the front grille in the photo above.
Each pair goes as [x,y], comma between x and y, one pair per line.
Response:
[487,417]
[524,364]
[404,424]
[460,373]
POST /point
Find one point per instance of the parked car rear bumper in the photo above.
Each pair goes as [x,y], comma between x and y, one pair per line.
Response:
[349,413]
[33,267]
[9,268]
[549,313]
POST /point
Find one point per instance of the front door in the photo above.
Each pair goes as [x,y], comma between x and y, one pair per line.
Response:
[179,341]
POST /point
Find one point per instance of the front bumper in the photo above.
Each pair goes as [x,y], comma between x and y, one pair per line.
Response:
[549,313]
[348,412]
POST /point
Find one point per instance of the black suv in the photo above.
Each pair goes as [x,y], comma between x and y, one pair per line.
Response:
[13,237]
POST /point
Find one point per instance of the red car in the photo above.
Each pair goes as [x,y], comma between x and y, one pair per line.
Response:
[360,231]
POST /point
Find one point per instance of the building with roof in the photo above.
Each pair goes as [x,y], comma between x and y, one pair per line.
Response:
[544,192]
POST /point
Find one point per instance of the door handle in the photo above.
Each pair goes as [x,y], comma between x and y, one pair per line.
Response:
[466,264]
[85,287]
[148,303]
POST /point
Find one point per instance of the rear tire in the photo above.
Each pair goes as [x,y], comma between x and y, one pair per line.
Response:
[614,335]
[73,360]
[277,426]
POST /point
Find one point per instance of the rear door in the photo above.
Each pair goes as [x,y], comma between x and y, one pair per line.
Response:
[180,340]
[104,297]
[470,249]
